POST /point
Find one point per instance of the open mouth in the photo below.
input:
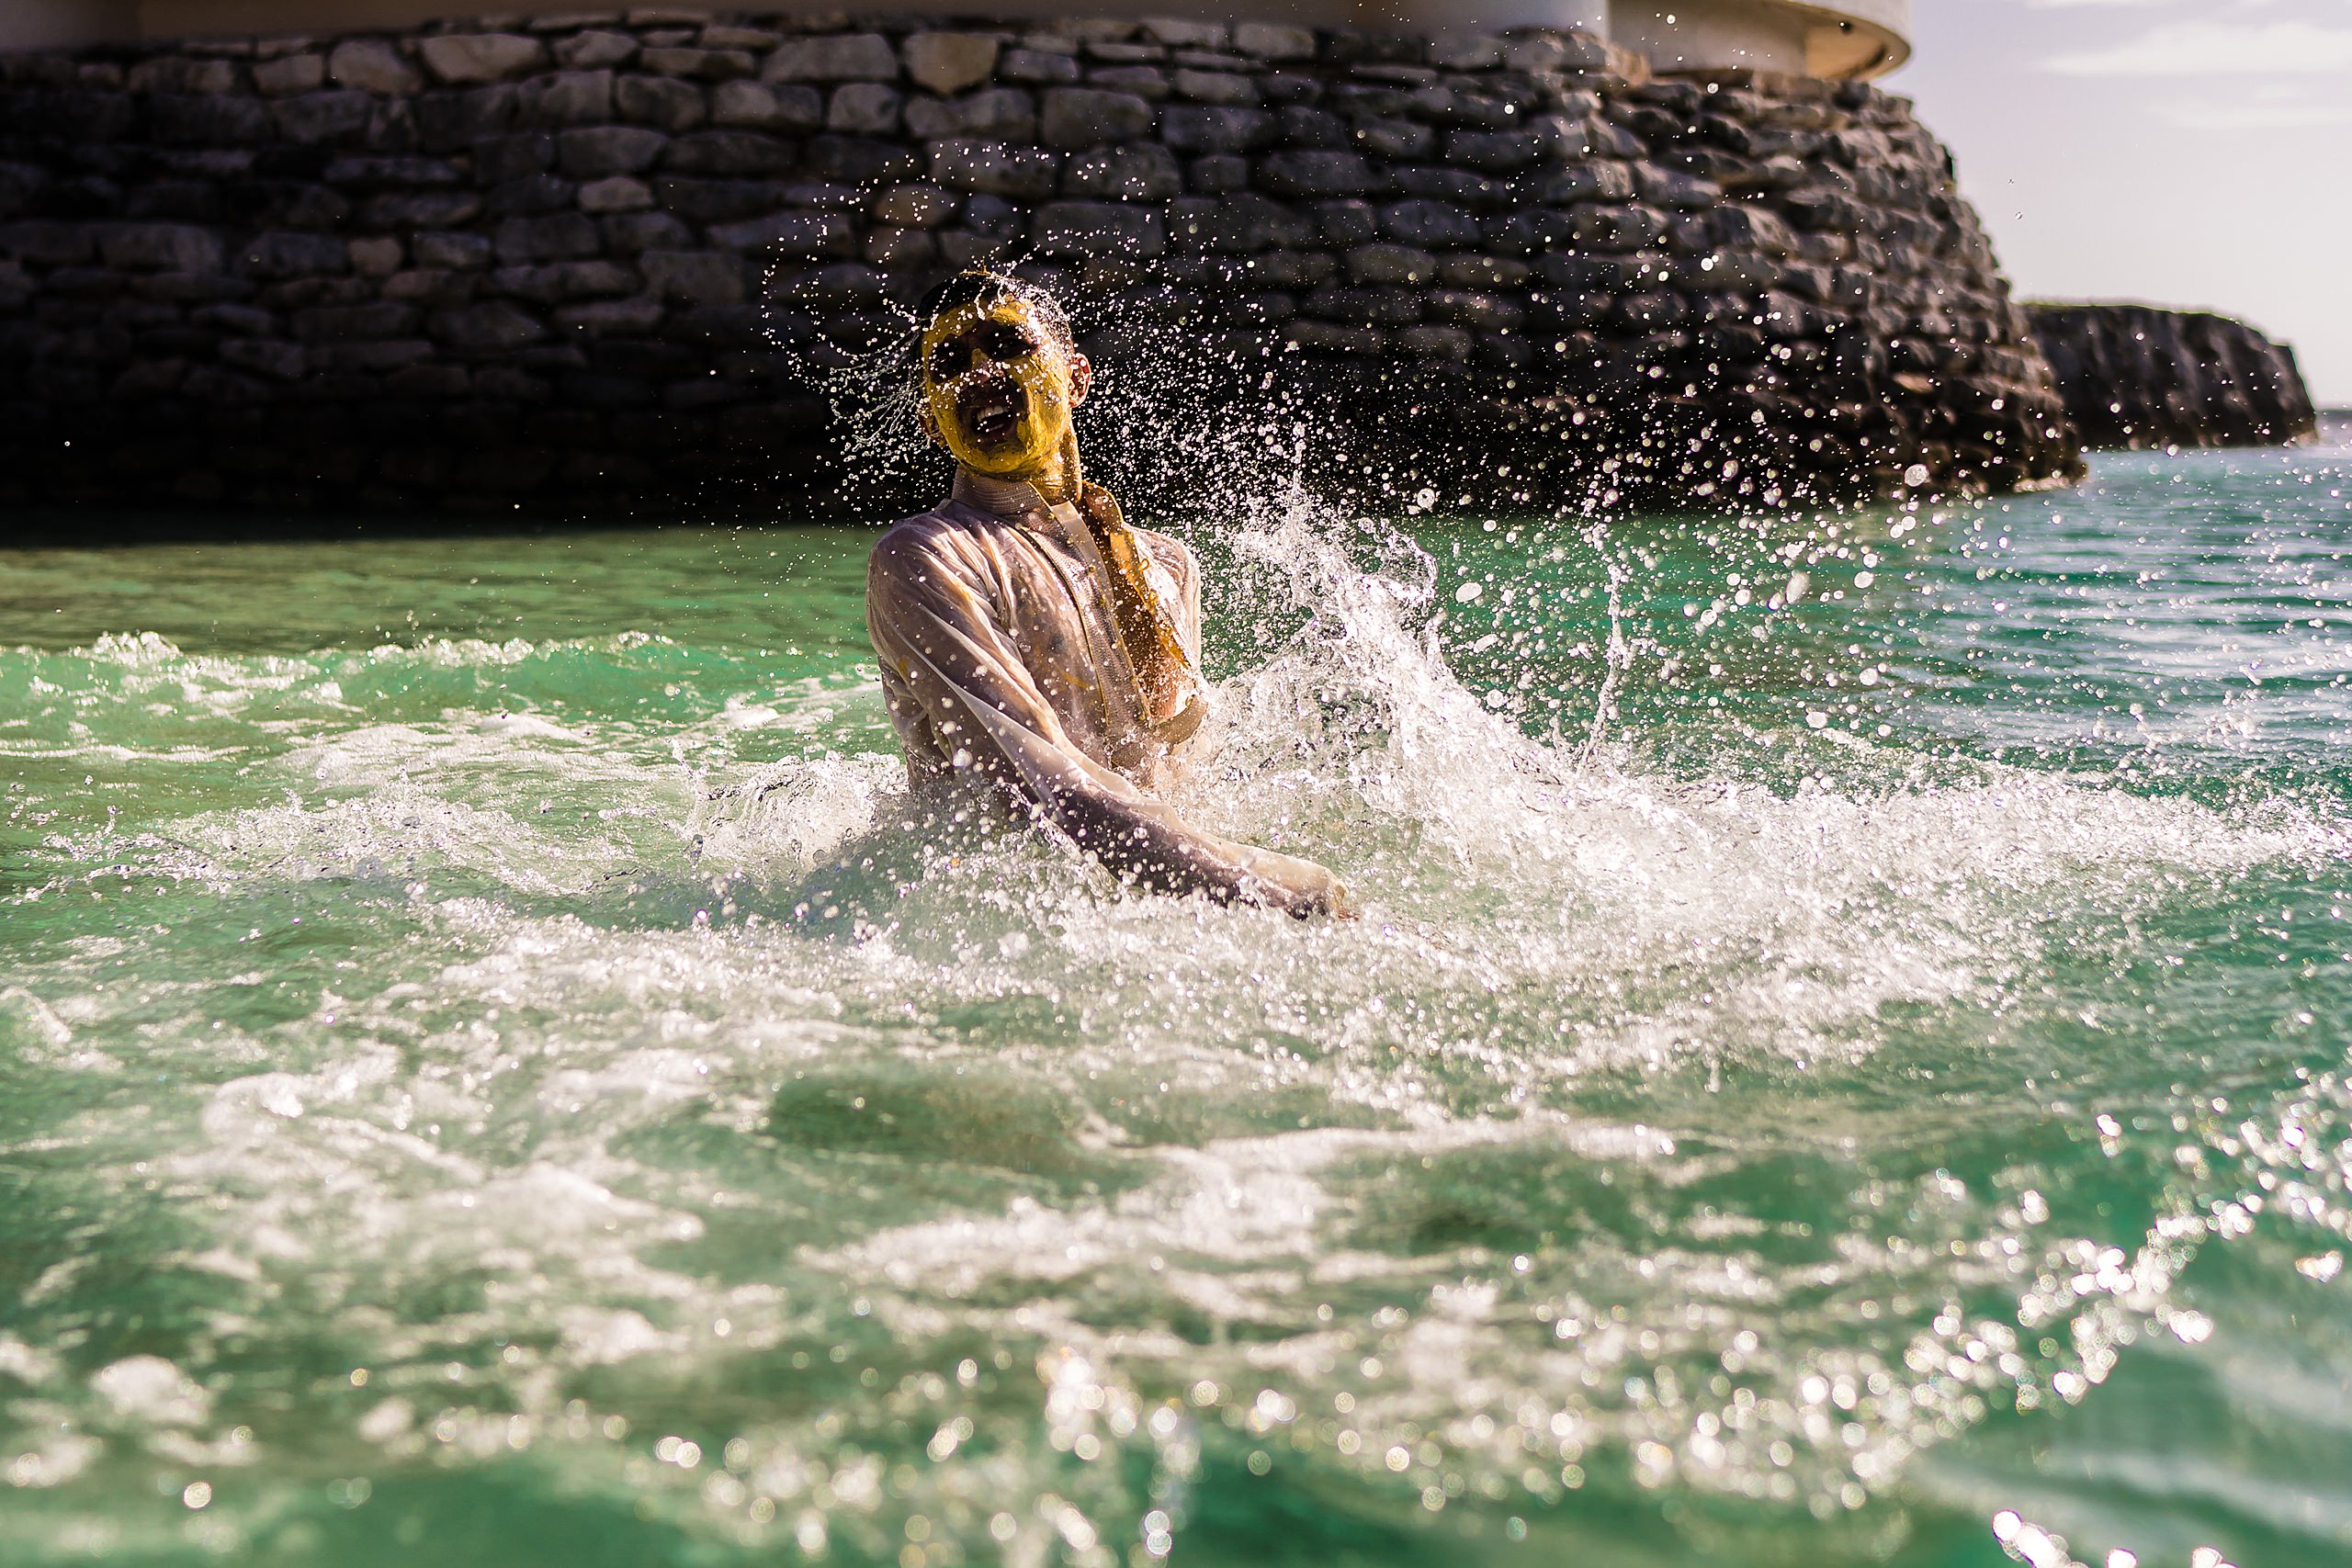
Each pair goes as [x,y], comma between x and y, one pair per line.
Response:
[992,411]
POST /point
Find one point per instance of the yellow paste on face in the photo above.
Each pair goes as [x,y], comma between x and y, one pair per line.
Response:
[1042,429]
[1042,434]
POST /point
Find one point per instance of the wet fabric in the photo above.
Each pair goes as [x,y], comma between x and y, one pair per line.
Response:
[1052,650]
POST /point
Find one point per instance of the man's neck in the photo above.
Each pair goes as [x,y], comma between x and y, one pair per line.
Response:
[1008,495]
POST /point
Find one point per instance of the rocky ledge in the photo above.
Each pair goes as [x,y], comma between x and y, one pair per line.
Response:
[586,264]
[2134,376]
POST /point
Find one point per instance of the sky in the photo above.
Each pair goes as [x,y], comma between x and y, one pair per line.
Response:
[2185,152]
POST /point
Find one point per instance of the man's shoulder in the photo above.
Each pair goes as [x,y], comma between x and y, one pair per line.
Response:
[941,537]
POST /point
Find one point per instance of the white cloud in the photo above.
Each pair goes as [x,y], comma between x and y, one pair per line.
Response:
[2259,117]
[2209,49]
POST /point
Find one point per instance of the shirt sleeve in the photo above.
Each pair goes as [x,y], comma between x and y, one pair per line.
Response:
[931,612]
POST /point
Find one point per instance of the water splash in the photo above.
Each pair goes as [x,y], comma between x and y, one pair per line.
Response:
[522,1065]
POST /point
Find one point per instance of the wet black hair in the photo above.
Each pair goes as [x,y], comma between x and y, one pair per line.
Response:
[983,287]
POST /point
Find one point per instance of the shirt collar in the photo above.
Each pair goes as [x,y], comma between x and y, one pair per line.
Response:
[1002,498]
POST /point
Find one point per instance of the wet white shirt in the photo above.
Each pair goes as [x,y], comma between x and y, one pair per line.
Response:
[1013,652]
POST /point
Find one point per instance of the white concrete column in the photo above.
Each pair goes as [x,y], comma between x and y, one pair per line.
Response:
[1819,38]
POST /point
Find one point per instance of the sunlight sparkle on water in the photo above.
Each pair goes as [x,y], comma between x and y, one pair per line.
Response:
[1846,1048]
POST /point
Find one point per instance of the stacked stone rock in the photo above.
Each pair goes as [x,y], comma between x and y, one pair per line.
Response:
[580,265]
[2135,375]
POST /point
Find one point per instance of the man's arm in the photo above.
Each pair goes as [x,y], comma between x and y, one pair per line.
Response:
[935,625]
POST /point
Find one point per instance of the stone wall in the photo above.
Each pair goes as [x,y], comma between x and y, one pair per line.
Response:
[2134,376]
[581,266]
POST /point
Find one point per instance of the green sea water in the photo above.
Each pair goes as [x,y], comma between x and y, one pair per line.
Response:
[1845,1059]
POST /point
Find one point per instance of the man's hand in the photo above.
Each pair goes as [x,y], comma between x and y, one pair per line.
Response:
[1299,888]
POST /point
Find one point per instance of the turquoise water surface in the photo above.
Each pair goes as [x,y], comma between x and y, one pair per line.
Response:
[1845,1060]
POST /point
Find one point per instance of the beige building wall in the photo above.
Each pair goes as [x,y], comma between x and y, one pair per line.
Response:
[42,24]
[1851,37]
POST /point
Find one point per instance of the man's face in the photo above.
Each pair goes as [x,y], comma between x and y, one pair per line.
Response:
[998,388]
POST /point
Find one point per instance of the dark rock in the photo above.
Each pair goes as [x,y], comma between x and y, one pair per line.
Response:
[420,209]
[914,207]
[372,65]
[556,281]
[2134,376]
[863,108]
[693,278]
[1390,137]
[1098,228]
[490,327]
[662,102]
[703,64]
[565,98]
[1306,127]
[177,120]
[332,116]
[1431,224]
[862,160]
[594,49]
[1376,306]
[392,174]
[502,158]
[1747,227]
[1499,151]
[1088,117]
[730,152]
[1034,65]
[994,168]
[447,122]
[605,318]
[551,238]
[847,56]
[1142,171]
[383,319]
[284,255]
[1462,187]
[1207,129]
[626,233]
[791,234]
[531,194]
[595,151]
[1216,87]
[461,58]
[760,106]
[163,247]
[1237,225]
[995,217]
[279,361]
[1391,263]
[1217,173]
[1769,247]
[1347,224]
[1145,82]
[1615,230]
[1004,114]
[1315,173]
[1482,312]
[454,251]
[716,201]
[948,62]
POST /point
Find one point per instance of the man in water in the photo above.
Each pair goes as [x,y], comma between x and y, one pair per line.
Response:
[1032,641]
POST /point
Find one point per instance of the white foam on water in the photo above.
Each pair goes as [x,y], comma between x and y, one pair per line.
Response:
[150,1389]
[612,946]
